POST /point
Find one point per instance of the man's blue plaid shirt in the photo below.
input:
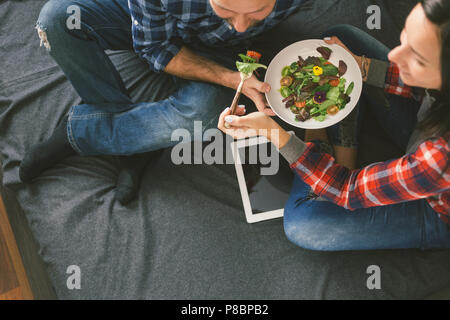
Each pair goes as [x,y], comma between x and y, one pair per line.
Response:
[161,27]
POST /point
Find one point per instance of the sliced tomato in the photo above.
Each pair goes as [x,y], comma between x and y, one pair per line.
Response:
[334,83]
[254,55]
[332,110]
[300,104]
[327,63]
[286,81]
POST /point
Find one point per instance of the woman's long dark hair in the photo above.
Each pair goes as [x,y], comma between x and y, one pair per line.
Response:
[437,119]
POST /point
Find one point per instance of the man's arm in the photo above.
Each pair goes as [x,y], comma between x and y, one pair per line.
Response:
[156,39]
[189,65]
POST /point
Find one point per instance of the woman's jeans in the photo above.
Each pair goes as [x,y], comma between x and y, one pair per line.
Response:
[325,226]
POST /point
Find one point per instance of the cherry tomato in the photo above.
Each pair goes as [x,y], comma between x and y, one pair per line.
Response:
[254,55]
[286,81]
[300,104]
[332,110]
[334,83]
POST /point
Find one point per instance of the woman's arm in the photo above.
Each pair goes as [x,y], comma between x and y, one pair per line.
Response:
[421,174]
[415,176]
[378,73]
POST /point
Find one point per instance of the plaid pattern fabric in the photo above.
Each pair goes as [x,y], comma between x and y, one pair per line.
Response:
[161,27]
[395,85]
[423,174]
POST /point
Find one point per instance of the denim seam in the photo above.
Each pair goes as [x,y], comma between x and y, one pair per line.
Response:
[92,29]
[90,116]
[209,123]
[70,135]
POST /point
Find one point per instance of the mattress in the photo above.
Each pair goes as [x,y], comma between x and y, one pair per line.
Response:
[181,238]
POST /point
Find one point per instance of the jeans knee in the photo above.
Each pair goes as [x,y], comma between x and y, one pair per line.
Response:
[52,21]
[203,102]
[305,232]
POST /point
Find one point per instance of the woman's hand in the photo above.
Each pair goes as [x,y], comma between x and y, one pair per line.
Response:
[255,90]
[364,68]
[254,124]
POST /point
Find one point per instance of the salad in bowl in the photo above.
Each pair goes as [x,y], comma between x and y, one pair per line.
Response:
[314,87]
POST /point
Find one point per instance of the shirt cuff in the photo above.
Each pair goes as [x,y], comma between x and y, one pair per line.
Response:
[294,149]
[159,60]
[377,73]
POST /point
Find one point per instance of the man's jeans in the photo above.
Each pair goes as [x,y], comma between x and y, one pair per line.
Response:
[108,122]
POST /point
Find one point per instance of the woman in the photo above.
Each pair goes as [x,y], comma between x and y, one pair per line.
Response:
[402,203]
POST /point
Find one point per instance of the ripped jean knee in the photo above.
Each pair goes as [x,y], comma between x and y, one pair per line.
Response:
[53,19]
[43,37]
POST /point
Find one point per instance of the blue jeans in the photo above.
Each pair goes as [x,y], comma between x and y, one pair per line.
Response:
[325,226]
[108,122]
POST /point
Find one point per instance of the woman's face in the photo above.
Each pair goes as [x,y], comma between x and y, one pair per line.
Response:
[419,54]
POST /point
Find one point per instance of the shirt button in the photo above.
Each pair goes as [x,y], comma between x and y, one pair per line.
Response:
[230,27]
[136,23]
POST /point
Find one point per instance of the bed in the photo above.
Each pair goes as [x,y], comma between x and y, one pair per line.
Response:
[181,239]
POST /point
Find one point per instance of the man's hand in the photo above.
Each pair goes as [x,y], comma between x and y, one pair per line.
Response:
[188,65]
[255,90]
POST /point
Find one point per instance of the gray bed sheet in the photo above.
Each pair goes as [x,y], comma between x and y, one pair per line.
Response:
[181,239]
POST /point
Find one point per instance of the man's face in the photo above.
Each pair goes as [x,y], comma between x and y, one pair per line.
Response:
[242,14]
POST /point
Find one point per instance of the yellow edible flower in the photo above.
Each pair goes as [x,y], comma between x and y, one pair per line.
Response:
[317,70]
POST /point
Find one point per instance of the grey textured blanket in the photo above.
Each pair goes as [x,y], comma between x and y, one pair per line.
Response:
[182,238]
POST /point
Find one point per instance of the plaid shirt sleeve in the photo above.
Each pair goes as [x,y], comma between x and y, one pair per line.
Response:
[154,33]
[422,174]
[395,85]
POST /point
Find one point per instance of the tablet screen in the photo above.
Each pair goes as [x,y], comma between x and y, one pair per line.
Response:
[266,192]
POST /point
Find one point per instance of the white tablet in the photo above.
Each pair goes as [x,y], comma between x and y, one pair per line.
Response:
[265,179]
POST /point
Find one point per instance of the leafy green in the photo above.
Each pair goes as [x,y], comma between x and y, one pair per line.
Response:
[341,85]
[325,88]
[330,70]
[285,92]
[286,71]
[248,65]
[320,118]
[350,88]
[248,68]
[334,94]
[293,67]
[324,106]
[315,79]
[247,59]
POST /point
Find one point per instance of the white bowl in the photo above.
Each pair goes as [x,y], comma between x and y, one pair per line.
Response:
[304,49]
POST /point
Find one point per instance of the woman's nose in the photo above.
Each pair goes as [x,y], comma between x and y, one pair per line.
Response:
[397,55]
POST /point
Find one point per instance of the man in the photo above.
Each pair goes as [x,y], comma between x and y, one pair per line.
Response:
[188,39]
